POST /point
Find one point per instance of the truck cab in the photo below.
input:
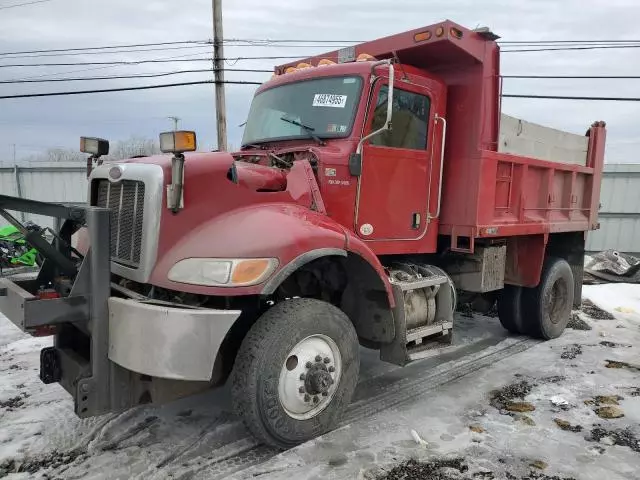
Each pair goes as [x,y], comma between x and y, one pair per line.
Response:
[375,186]
[386,203]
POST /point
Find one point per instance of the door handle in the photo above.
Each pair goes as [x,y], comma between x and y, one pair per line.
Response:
[415,223]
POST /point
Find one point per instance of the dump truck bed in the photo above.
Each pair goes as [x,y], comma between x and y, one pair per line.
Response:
[502,193]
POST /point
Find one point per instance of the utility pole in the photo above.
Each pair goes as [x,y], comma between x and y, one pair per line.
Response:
[14,153]
[218,75]
[175,122]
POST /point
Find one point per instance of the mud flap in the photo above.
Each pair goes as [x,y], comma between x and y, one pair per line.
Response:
[419,342]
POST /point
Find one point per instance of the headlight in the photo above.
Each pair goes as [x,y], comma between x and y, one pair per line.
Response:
[216,272]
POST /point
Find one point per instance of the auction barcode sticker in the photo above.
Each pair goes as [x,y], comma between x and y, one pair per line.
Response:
[329,100]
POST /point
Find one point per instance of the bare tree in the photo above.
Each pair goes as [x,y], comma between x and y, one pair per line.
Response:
[56,155]
[133,147]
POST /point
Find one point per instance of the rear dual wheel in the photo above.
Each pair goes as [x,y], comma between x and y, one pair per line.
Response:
[544,311]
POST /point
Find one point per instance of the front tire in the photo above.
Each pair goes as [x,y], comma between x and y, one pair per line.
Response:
[295,372]
[548,306]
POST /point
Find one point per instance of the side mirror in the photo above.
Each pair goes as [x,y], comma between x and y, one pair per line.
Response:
[355,164]
[355,159]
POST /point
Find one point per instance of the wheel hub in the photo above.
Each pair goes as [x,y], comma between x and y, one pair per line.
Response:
[318,380]
[309,377]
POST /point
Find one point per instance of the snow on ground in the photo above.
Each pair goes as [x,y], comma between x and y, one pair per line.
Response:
[186,439]
[504,443]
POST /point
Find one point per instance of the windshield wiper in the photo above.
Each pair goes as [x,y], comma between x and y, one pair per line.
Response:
[306,128]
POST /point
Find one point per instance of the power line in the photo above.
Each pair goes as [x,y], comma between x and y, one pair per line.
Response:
[258,42]
[121,62]
[137,62]
[561,49]
[242,82]
[111,52]
[562,97]
[96,68]
[236,59]
[256,70]
[156,44]
[283,40]
[24,4]
[241,58]
[124,89]
[283,46]
[140,75]
[577,77]
[542,42]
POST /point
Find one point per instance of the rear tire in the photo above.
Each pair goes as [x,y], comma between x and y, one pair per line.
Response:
[548,306]
[295,372]
[510,309]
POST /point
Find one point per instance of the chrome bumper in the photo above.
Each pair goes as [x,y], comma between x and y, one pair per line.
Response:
[166,342]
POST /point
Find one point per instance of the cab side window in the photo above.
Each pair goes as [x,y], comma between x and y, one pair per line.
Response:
[408,122]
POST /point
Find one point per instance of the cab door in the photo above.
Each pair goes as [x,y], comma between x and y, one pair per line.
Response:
[396,165]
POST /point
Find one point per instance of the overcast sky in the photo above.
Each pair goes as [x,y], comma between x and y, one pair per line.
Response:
[34,124]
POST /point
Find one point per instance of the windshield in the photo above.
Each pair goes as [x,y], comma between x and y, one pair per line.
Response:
[322,107]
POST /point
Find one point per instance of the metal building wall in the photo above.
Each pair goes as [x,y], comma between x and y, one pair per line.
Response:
[620,210]
[50,182]
[619,214]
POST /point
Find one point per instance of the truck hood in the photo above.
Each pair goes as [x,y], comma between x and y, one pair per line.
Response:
[216,187]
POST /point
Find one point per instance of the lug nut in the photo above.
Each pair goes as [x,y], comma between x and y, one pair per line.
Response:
[308,364]
[316,399]
[327,360]
[307,397]
[331,382]
[302,376]
[301,390]
[324,394]
[332,369]
[318,358]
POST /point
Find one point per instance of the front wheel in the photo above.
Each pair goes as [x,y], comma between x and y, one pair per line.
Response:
[295,372]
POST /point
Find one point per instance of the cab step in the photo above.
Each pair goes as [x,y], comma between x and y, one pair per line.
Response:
[423,315]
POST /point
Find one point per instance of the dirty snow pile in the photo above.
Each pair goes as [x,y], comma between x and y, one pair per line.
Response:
[558,410]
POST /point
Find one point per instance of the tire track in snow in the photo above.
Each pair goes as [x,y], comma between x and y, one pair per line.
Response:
[392,395]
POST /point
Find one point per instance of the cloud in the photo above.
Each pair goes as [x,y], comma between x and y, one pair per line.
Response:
[35,124]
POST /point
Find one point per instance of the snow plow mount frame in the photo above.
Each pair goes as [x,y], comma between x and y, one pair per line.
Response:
[79,315]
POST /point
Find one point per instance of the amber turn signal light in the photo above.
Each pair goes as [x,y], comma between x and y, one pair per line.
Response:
[177,142]
[250,270]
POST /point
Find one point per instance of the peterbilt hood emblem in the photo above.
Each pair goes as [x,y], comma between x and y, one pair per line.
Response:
[115,173]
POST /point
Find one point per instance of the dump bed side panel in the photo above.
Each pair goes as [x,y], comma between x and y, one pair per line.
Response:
[519,137]
[518,195]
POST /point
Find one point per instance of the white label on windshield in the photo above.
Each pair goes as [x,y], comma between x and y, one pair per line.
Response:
[329,100]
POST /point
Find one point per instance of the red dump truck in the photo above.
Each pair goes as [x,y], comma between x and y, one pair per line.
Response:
[374,184]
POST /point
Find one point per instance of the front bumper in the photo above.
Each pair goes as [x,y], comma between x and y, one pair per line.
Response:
[166,342]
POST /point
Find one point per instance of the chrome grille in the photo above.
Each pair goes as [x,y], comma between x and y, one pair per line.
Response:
[125,199]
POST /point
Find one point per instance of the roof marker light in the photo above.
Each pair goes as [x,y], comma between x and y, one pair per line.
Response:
[365,57]
[422,36]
